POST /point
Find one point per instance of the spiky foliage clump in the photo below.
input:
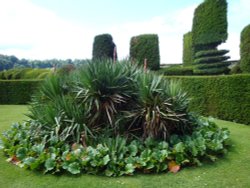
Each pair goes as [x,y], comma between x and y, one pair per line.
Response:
[115,99]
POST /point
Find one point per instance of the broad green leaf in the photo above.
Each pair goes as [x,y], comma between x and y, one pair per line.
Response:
[21,153]
[179,147]
[129,168]
[74,168]
[29,160]
[106,159]
[108,173]
[49,164]
[133,150]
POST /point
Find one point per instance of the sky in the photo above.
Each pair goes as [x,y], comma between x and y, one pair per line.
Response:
[65,29]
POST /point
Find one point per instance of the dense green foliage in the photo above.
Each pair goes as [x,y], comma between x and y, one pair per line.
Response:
[188,49]
[25,73]
[177,70]
[115,156]
[146,47]
[211,60]
[208,53]
[236,69]
[17,91]
[103,47]
[245,49]
[208,31]
[210,24]
[113,119]
[108,97]
[225,97]
[10,62]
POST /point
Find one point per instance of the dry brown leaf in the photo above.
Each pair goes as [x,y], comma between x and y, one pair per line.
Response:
[173,167]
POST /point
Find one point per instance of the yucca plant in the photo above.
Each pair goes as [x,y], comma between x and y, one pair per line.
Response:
[57,113]
[106,89]
[161,108]
[103,98]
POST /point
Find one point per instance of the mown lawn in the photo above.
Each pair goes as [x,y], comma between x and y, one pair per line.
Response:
[231,171]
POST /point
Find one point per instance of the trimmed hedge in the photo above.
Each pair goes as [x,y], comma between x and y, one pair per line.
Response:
[211,59]
[177,70]
[224,97]
[25,73]
[17,91]
[214,65]
[211,71]
[146,47]
[103,47]
[188,49]
[207,53]
[210,23]
[245,49]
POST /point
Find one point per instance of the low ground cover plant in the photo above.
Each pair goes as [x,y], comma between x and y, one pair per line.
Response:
[112,119]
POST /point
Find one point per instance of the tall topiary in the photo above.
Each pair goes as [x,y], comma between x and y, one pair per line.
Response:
[188,49]
[245,49]
[208,31]
[103,47]
[146,47]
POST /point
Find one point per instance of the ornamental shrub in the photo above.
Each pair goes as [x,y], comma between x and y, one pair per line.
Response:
[210,59]
[245,49]
[112,119]
[145,47]
[208,31]
[208,53]
[103,47]
[188,49]
[210,23]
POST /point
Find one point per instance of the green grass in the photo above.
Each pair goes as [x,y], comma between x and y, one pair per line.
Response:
[233,170]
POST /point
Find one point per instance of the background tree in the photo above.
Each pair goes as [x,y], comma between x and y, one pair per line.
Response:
[245,49]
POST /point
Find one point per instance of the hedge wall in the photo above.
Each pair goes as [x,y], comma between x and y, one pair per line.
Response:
[224,97]
[103,47]
[188,50]
[17,91]
[25,73]
[245,49]
[146,47]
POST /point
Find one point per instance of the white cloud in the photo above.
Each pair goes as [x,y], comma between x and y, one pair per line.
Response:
[33,32]
[238,18]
